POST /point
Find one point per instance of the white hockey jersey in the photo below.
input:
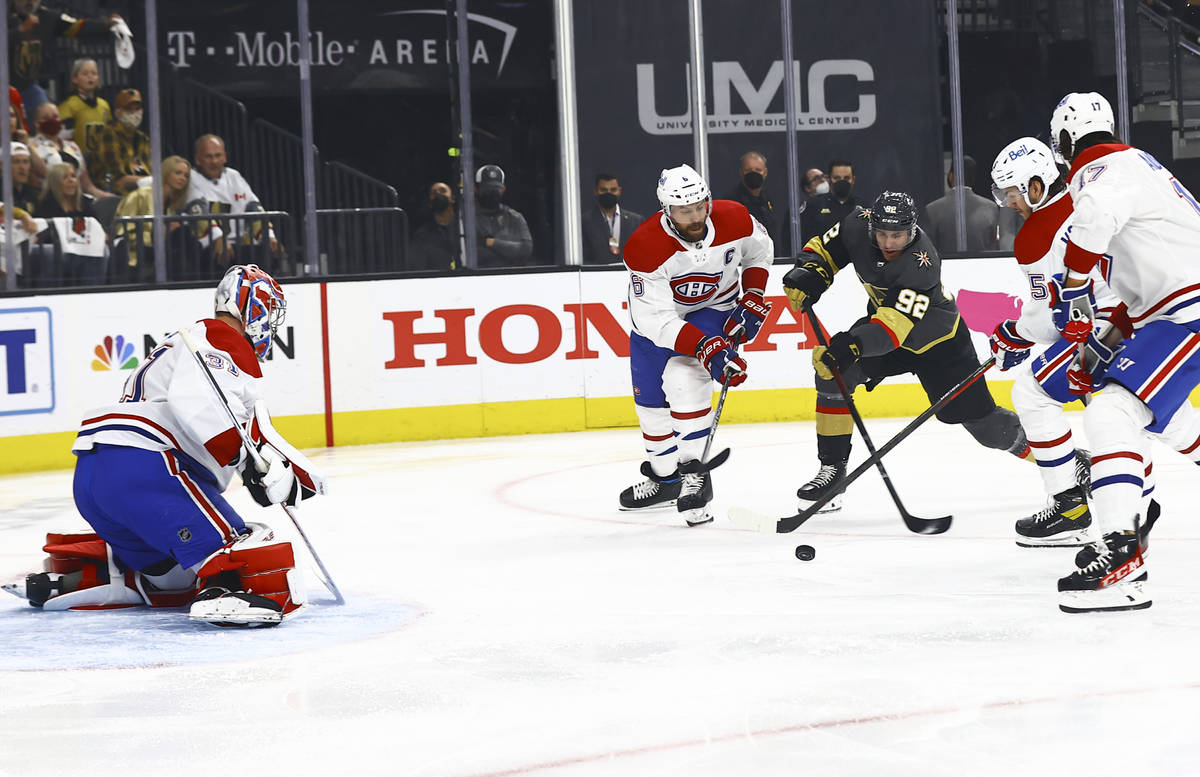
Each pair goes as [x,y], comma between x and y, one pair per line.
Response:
[168,403]
[1040,247]
[1141,227]
[230,193]
[670,278]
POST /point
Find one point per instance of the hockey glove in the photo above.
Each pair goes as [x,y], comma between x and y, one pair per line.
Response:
[747,318]
[1009,347]
[806,282]
[719,358]
[278,485]
[1084,377]
[1073,309]
[844,351]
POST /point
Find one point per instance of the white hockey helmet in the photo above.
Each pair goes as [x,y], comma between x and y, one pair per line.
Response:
[681,186]
[1079,114]
[252,296]
[1019,163]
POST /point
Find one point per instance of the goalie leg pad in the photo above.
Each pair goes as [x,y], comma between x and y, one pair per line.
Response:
[268,588]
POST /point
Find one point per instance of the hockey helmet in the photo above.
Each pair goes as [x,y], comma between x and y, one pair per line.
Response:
[253,297]
[681,186]
[1019,163]
[894,212]
[1079,114]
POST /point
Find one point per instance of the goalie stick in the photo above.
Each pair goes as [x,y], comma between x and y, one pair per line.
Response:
[914,524]
[749,519]
[323,574]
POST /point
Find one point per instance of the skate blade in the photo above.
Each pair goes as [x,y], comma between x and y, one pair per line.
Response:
[832,506]
[648,508]
[697,517]
[1075,539]
[1115,598]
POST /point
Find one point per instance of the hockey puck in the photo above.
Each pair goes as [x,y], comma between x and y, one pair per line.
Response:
[805,552]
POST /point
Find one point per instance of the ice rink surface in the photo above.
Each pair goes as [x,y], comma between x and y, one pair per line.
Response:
[504,618]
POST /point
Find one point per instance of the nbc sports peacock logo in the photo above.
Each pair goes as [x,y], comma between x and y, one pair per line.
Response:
[114,354]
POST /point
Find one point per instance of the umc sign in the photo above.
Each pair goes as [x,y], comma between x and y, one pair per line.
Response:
[26,361]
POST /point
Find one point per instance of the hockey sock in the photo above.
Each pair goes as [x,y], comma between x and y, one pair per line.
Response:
[1000,429]
[1050,438]
[658,435]
[1114,423]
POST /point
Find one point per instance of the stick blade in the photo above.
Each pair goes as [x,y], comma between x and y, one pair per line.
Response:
[928,525]
[750,520]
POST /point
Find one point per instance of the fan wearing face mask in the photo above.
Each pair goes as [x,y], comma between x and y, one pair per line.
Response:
[750,191]
[607,227]
[118,152]
[825,210]
[503,236]
[436,244]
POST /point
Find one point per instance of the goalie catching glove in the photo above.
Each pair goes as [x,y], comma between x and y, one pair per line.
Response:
[288,476]
[844,351]
[719,358]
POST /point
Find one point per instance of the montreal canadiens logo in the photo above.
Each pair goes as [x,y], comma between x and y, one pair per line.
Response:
[696,287]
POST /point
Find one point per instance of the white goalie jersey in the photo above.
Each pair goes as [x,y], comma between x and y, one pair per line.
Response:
[168,404]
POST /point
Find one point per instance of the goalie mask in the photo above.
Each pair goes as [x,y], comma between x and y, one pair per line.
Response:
[1079,114]
[253,297]
[1019,163]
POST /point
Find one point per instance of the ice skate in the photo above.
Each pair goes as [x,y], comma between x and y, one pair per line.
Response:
[1087,554]
[1114,580]
[695,493]
[652,492]
[822,483]
[1063,523]
[1083,470]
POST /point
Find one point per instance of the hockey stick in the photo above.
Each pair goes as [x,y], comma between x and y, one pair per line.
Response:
[719,459]
[323,575]
[748,519]
[914,524]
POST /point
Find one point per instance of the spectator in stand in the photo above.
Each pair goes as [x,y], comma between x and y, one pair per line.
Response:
[118,155]
[32,36]
[17,132]
[50,148]
[436,245]
[133,244]
[26,197]
[752,177]
[73,228]
[84,110]
[214,187]
[503,236]
[982,221]
[814,185]
[607,227]
[828,209]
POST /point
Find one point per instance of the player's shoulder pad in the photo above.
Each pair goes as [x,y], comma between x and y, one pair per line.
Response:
[731,221]
[226,338]
[649,246]
[1037,234]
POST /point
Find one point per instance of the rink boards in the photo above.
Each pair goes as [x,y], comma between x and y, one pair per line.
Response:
[430,358]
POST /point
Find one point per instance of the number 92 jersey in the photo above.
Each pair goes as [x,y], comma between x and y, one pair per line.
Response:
[908,307]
